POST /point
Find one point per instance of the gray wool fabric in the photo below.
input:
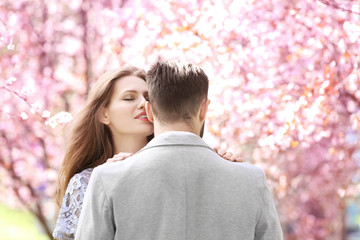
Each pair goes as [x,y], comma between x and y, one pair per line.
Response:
[178,188]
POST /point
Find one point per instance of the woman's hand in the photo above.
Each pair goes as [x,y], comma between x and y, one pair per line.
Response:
[228,156]
[119,157]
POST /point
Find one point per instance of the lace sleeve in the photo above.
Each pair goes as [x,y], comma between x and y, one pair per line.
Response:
[71,206]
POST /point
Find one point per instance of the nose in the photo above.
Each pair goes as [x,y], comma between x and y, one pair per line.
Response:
[142,103]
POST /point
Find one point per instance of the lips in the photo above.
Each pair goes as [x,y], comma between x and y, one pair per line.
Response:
[142,116]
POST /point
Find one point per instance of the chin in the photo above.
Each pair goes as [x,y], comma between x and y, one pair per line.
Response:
[148,130]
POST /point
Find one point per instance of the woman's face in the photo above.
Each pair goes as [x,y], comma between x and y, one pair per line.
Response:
[125,114]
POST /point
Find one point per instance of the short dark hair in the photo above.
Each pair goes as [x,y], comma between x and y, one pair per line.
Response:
[176,89]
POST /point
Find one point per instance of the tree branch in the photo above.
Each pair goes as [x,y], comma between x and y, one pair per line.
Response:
[334,4]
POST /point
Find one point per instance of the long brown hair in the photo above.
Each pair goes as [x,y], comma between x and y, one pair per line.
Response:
[90,143]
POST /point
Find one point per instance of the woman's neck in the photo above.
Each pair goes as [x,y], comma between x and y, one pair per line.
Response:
[129,144]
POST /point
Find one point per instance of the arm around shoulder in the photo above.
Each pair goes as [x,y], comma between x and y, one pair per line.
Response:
[268,225]
[96,219]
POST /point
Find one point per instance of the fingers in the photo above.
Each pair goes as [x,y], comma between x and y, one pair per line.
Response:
[239,160]
[122,155]
[228,155]
[235,159]
[119,157]
[221,153]
[110,160]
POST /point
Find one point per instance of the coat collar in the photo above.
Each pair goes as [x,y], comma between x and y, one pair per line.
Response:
[179,138]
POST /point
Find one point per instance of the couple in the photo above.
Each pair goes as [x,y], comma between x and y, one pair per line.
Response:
[176,187]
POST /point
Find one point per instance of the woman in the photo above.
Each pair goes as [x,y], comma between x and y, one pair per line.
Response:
[113,120]
[118,95]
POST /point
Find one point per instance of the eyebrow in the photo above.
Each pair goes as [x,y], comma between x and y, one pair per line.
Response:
[129,91]
[133,91]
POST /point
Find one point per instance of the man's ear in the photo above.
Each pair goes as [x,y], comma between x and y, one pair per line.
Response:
[103,116]
[149,112]
[203,109]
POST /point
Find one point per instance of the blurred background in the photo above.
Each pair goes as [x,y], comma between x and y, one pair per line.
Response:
[285,92]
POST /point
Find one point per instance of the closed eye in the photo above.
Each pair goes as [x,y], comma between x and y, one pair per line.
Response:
[129,97]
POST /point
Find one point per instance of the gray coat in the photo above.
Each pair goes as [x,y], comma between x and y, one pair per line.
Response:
[175,188]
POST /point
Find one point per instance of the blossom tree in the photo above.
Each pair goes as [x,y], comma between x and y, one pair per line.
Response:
[284,89]
[46,70]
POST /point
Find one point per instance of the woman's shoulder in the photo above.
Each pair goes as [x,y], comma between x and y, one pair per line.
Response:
[85,173]
[71,205]
[81,179]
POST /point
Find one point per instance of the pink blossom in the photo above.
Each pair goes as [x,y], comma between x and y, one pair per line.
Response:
[51,122]
[284,86]
[35,107]
[24,116]
[63,117]
[11,47]
[59,118]
[10,81]
[46,114]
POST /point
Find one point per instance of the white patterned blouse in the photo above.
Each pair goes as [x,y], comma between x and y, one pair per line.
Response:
[69,213]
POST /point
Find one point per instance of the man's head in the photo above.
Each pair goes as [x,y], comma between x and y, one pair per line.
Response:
[177,92]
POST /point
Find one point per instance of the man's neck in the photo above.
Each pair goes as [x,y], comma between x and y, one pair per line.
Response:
[178,126]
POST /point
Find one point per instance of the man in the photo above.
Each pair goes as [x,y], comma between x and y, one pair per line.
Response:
[177,187]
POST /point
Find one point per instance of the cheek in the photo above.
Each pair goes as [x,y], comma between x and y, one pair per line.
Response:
[123,111]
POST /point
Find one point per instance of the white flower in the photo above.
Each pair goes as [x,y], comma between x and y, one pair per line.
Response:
[63,117]
[11,46]
[24,116]
[51,122]
[35,107]
[60,118]
[10,81]
[46,114]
